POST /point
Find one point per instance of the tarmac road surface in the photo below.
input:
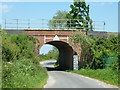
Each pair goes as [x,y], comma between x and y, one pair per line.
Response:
[61,79]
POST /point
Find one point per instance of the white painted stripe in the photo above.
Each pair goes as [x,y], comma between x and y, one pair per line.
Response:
[67,39]
[44,38]
[53,38]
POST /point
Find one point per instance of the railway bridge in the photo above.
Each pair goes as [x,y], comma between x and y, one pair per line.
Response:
[60,39]
[56,34]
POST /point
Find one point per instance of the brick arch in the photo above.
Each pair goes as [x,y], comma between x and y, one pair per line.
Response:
[65,49]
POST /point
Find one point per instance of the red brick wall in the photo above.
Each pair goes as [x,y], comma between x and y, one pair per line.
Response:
[39,34]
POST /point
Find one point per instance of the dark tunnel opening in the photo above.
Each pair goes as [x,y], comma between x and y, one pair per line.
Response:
[65,58]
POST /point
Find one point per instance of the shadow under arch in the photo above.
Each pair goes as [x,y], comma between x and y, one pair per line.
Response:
[66,53]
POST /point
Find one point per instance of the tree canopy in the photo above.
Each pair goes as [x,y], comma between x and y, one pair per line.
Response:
[77,18]
[79,11]
[55,22]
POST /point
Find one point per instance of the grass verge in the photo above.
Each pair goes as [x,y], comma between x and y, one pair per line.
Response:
[46,60]
[106,75]
[41,85]
[23,73]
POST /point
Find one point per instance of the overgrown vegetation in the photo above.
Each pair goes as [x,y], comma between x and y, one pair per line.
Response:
[51,55]
[95,49]
[0,59]
[98,55]
[20,66]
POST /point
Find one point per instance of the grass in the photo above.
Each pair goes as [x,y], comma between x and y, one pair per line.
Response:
[23,73]
[106,75]
[41,85]
[45,59]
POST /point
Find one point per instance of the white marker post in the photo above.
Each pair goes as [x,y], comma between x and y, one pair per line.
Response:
[75,62]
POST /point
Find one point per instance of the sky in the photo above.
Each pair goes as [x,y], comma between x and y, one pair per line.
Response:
[99,11]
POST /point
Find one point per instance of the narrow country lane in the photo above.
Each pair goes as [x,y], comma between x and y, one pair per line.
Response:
[61,79]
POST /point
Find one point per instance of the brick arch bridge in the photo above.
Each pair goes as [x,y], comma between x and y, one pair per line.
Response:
[66,51]
[56,37]
[59,39]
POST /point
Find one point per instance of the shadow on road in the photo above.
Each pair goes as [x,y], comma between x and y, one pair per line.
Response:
[54,69]
[49,65]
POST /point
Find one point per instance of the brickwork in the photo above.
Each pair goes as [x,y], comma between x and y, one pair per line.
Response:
[66,50]
[45,36]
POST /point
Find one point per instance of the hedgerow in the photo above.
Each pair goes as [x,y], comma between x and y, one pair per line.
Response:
[20,64]
[95,49]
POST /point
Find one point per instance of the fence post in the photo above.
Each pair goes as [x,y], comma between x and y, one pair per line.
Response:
[104,26]
[5,23]
[28,23]
[94,25]
[17,23]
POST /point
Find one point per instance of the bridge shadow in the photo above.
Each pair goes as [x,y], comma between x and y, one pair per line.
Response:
[54,69]
[50,67]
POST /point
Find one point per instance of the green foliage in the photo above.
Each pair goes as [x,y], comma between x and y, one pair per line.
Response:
[0,58]
[45,57]
[54,53]
[85,43]
[93,50]
[107,75]
[55,23]
[20,64]
[23,73]
[79,10]
[16,46]
[10,51]
[51,55]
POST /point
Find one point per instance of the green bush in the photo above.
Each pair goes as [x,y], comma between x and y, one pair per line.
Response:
[23,73]
[51,55]
[93,49]
[20,64]
[45,57]
[18,46]
[10,51]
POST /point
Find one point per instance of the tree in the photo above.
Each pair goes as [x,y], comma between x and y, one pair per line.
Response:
[79,11]
[58,21]
[54,53]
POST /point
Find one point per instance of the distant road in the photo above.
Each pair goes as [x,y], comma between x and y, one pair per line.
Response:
[61,79]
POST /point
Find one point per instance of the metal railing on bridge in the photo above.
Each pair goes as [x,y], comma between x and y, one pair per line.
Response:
[53,24]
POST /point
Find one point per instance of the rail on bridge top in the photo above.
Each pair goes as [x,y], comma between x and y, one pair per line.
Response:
[42,24]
